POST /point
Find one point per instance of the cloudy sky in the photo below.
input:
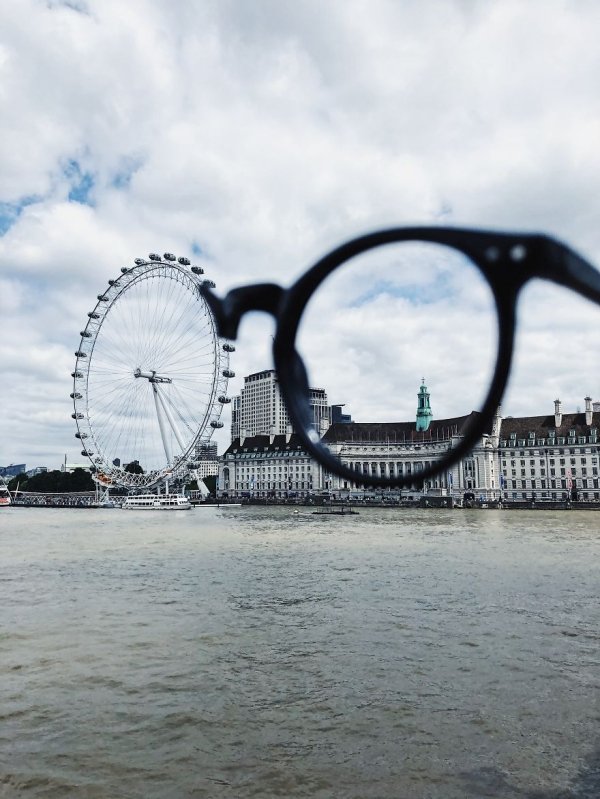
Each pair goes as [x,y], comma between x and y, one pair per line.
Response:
[254,137]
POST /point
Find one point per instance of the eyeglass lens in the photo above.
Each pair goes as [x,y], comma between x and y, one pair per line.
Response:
[394,318]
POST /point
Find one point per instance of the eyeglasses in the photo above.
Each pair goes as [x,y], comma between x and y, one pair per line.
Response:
[503,262]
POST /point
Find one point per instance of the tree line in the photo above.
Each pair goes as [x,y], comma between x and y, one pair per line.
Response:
[54,482]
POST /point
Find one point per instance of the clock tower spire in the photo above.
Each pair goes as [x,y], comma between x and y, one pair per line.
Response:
[424,412]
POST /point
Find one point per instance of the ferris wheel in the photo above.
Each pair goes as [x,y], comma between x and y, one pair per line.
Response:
[151,374]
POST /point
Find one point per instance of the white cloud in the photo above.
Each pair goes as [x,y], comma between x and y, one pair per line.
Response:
[266,133]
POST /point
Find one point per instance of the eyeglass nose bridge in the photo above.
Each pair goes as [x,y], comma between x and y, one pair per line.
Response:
[228,312]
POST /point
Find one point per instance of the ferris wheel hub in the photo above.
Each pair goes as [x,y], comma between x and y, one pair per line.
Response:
[152,377]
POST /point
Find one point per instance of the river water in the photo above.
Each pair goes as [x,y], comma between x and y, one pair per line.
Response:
[262,652]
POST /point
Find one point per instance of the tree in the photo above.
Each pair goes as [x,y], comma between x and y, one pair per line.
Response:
[20,480]
[134,468]
[211,483]
[55,482]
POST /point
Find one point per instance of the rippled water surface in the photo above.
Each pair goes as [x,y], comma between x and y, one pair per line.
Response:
[257,652]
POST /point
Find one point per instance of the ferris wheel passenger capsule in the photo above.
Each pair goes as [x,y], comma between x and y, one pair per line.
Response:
[154,257]
[81,354]
[85,334]
[228,347]
[197,270]
[139,261]
[216,425]
[94,315]
[168,256]
[184,261]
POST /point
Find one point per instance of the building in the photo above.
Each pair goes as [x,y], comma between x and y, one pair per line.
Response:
[553,457]
[206,451]
[206,459]
[235,417]
[13,470]
[532,459]
[36,470]
[207,468]
[260,409]
[273,466]
[338,416]
[397,449]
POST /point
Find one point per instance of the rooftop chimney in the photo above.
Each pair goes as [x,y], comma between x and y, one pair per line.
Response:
[557,413]
[288,433]
[588,411]
[272,435]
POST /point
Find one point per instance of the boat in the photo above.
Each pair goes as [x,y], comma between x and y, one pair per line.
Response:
[5,498]
[343,511]
[217,505]
[156,502]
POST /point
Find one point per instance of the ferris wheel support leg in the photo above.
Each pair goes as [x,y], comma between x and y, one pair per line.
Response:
[170,419]
[161,423]
[202,488]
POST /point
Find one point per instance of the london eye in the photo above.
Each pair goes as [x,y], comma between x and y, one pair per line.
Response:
[151,374]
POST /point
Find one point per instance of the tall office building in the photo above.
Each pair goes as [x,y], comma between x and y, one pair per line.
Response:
[260,409]
[235,417]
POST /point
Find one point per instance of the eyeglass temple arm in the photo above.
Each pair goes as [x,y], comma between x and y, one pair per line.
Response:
[228,311]
[571,270]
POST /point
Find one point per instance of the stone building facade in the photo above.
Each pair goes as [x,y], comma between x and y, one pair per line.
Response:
[552,457]
[533,459]
[273,466]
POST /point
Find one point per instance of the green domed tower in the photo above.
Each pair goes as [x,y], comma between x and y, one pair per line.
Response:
[424,412]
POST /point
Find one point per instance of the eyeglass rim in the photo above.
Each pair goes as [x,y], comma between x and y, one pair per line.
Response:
[293,305]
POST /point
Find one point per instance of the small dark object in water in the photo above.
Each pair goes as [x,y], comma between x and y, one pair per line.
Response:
[338,512]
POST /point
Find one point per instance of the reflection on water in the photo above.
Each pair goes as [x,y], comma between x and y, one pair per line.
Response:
[255,652]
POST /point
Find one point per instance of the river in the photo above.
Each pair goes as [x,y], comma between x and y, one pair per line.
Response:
[263,652]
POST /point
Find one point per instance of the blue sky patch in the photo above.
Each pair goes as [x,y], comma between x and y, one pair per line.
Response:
[10,212]
[82,183]
[424,294]
[122,179]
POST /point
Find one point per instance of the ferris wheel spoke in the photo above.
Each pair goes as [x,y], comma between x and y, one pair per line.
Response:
[188,417]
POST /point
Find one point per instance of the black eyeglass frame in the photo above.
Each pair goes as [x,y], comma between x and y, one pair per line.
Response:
[507,261]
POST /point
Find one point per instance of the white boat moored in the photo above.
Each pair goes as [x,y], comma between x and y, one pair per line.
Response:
[5,498]
[157,502]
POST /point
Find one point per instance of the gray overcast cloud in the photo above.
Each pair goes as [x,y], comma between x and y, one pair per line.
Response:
[258,136]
